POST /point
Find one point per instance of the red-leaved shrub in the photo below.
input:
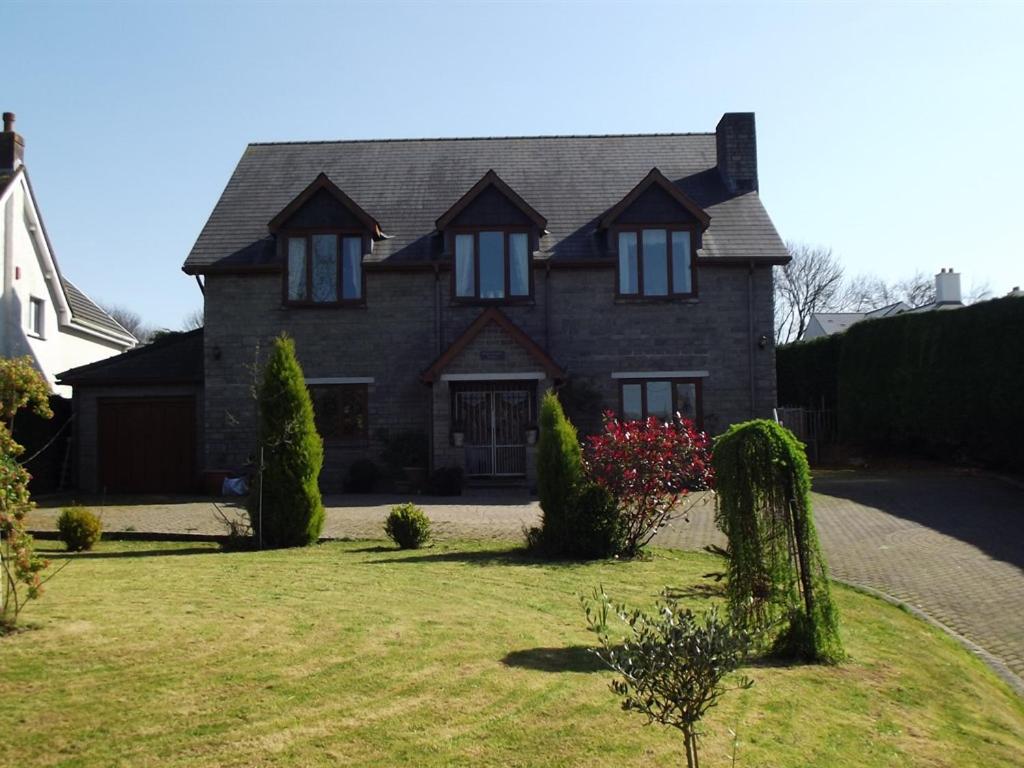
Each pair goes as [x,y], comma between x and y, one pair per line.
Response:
[649,467]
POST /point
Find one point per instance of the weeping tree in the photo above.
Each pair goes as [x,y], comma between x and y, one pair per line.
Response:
[285,505]
[776,575]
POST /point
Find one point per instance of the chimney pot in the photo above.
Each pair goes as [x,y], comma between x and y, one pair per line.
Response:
[8,122]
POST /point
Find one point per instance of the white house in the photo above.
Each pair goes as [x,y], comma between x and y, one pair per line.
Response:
[42,314]
[947,296]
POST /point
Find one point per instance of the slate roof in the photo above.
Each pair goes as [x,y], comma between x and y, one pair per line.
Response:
[176,358]
[406,184]
[86,310]
[837,322]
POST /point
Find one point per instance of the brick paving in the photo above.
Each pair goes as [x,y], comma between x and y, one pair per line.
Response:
[950,545]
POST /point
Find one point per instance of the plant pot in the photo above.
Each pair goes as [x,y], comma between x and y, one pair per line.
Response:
[458,438]
[416,477]
[531,436]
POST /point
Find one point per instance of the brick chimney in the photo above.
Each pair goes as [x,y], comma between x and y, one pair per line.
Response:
[947,287]
[12,146]
[736,148]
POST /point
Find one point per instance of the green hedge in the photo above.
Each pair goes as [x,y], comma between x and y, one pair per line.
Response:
[808,372]
[947,384]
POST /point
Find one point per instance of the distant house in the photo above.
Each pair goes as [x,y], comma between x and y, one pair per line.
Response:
[827,323]
[947,296]
[42,314]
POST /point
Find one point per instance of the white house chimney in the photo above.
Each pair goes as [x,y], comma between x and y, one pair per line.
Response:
[12,146]
[947,287]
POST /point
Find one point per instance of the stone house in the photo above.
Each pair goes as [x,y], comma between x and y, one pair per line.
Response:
[441,285]
[435,288]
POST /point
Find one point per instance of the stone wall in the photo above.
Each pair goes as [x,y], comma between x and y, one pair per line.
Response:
[402,329]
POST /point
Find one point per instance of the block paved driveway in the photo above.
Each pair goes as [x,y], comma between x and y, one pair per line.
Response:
[951,545]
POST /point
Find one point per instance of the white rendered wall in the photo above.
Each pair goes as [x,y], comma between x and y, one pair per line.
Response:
[26,265]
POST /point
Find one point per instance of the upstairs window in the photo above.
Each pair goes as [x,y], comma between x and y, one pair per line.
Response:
[36,316]
[655,262]
[325,269]
[492,265]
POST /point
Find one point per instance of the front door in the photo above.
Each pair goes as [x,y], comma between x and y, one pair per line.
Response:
[494,418]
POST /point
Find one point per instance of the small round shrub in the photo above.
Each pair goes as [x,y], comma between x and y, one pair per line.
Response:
[79,528]
[362,476]
[408,526]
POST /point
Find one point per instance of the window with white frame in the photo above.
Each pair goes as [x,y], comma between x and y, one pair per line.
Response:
[36,316]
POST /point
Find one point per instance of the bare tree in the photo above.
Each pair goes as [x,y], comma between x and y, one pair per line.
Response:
[811,282]
[193,320]
[130,321]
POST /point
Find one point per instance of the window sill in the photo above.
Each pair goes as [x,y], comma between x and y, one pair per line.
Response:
[473,302]
[347,443]
[360,304]
[33,335]
[688,299]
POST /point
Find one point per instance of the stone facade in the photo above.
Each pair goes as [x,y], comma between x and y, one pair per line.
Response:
[409,320]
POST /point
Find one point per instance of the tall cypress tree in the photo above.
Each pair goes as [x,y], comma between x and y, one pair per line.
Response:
[292,513]
[559,472]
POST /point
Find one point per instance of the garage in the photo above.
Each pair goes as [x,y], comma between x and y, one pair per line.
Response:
[147,445]
[137,426]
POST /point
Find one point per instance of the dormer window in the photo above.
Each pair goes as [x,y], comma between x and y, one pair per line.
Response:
[325,268]
[491,233]
[322,235]
[492,265]
[655,232]
[655,262]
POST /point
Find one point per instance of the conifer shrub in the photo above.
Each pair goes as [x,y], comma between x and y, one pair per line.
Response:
[408,526]
[79,528]
[777,578]
[285,505]
[597,527]
[559,475]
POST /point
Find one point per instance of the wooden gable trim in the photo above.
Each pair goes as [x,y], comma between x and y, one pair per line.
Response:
[485,318]
[324,183]
[491,179]
[656,177]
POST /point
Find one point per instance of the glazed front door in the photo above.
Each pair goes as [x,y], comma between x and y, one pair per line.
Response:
[494,419]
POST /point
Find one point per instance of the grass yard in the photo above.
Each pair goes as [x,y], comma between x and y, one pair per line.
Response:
[150,654]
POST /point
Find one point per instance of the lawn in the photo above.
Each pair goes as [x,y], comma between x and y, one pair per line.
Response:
[461,654]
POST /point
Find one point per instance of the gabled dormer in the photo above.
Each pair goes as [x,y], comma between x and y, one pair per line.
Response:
[654,232]
[491,233]
[322,238]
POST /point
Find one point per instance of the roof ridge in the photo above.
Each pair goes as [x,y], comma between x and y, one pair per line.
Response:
[484,138]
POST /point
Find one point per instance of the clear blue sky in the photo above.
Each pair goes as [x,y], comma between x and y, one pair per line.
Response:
[891,133]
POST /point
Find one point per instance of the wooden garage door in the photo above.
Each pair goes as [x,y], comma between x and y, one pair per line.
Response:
[147,445]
